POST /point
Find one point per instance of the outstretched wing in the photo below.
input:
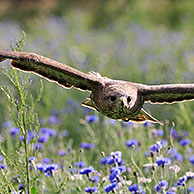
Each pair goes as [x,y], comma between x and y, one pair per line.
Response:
[169,93]
[52,70]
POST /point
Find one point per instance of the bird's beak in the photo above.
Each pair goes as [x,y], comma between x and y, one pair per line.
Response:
[123,101]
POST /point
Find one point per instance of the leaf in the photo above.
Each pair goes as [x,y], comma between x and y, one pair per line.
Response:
[33,190]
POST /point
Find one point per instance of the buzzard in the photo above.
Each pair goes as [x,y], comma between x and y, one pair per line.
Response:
[115,99]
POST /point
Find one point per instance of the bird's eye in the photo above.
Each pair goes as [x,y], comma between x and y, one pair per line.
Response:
[128,99]
[112,98]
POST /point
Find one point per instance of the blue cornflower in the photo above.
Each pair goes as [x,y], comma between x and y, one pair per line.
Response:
[170,192]
[115,157]
[7,124]
[53,120]
[184,142]
[1,158]
[92,118]
[110,187]
[94,179]
[31,158]
[134,189]
[115,172]
[85,145]
[174,154]
[46,160]
[157,133]
[156,147]
[80,164]
[38,146]
[190,189]
[148,124]
[91,189]
[174,133]
[43,138]
[192,159]
[182,181]
[132,142]
[163,161]
[161,185]
[3,166]
[14,131]
[50,168]
[62,153]
[21,187]
[88,170]
[47,130]
[41,166]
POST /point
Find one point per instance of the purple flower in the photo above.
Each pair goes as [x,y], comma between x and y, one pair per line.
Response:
[85,145]
[132,142]
[7,124]
[92,118]
[3,166]
[53,120]
[80,164]
[43,138]
[136,189]
[192,159]
[190,189]
[50,168]
[14,131]
[62,153]
[184,142]
[91,189]
[157,133]
[110,188]
[31,158]
[115,172]
[174,154]
[162,184]
[182,181]
[46,160]
[49,131]
[38,146]
[115,157]
[21,187]
[156,147]
[88,170]
[1,158]
[163,161]
[94,179]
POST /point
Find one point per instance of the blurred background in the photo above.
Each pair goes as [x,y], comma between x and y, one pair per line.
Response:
[145,41]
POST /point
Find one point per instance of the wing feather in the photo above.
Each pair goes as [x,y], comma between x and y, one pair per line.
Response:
[168,93]
[52,70]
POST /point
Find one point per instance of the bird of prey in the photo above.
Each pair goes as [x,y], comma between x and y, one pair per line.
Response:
[115,99]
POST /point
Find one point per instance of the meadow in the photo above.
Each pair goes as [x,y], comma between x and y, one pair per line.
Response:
[50,144]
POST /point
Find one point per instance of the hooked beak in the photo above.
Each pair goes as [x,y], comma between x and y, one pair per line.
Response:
[123,101]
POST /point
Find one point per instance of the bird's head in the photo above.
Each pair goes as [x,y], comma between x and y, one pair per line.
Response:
[119,101]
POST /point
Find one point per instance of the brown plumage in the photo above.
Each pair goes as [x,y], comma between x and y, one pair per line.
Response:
[114,98]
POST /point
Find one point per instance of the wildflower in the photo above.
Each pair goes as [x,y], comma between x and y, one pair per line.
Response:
[79,164]
[91,189]
[162,185]
[38,146]
[14,131]
[115,157]
[53,120]
[148,124]
[88,170]
[190,189]
[174,133]
[62,153]
[185,142]
[132,142]
[85,145]
[181,181]
[7,124]
[94,179]
[3,166]
[134,189]
[46,160]
[92,118]
[50,168]
[174,154]
[31,158]
[160,161]
[41,166]
[157,133]
[156,147]
[21,187]
[109,122]
[170,192]
[192,159]
[47,130]
[1,158]
[115,172]
[110,187]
